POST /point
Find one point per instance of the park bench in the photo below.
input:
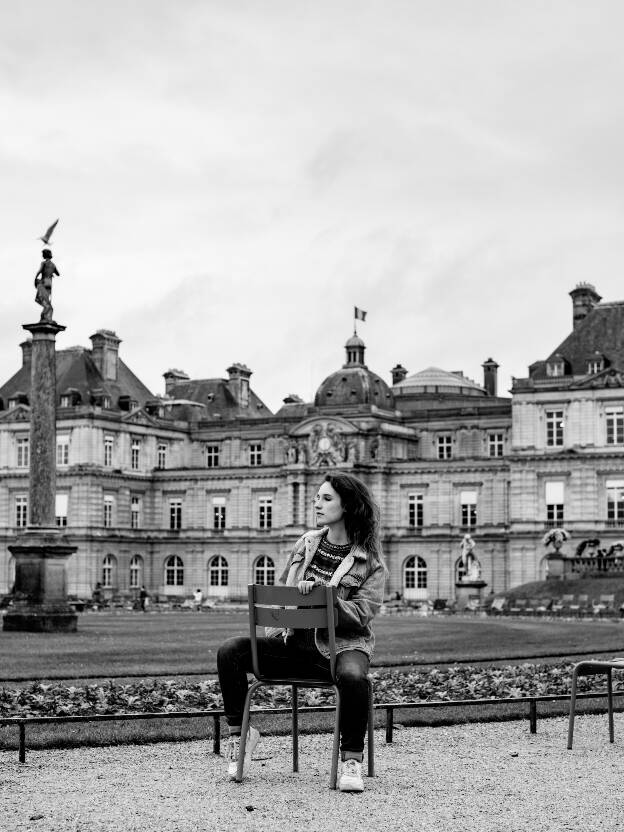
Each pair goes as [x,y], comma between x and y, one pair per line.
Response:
[604,606]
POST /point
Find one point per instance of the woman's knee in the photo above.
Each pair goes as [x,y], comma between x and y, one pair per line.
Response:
[352,671]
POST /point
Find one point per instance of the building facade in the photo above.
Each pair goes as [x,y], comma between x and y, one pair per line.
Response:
[206,487]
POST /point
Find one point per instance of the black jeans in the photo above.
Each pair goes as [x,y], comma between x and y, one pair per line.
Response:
[298,660]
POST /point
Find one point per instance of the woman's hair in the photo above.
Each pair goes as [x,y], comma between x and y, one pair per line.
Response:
[361,514]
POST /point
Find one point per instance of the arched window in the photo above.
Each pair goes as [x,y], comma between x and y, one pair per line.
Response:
[264,571]
[109,571]
[218,571]
[136,571]
[174,571]
[415,573]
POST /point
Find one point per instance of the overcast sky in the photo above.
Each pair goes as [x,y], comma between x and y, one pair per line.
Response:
[233,177]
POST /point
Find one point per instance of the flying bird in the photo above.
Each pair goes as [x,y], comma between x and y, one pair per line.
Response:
[46,237]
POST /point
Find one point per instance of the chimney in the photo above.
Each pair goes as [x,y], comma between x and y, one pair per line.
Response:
[238,382]
[584,298]
[26,352]
[105,353]
[490,380]
[398,373]
[173,377]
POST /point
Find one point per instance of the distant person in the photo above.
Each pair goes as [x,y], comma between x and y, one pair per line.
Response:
[198,597]
[144,598]
[96,595]
[344,552]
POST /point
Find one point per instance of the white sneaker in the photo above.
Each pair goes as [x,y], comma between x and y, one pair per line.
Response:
[231,751]
[351,777]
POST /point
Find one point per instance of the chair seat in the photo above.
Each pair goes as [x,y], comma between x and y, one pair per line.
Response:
[303,683]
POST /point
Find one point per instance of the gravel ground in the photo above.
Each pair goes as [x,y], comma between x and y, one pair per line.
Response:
[494,777]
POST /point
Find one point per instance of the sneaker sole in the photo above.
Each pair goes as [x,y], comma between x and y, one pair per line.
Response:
[347,784]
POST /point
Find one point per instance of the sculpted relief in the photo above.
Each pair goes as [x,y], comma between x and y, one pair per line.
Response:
[326,445]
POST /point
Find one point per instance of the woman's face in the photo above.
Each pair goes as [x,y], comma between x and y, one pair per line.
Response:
[328,506]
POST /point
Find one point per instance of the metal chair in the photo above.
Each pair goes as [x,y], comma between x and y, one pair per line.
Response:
[593,668]
[281,606]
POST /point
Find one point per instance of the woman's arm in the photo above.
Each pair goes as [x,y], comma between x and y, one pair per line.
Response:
[363,605]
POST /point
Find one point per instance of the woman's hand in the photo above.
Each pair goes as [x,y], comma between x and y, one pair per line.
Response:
[305,586]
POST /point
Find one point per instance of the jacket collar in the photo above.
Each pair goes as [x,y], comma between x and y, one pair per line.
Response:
[312,540]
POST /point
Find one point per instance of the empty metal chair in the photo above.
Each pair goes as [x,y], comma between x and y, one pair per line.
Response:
[593,668]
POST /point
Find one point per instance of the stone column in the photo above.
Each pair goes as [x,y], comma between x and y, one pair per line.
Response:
[41,551]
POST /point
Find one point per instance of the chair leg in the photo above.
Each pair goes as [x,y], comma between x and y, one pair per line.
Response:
[333,777]
[295,728]
[244,730]
[371,732]
[572,707]
[610,704]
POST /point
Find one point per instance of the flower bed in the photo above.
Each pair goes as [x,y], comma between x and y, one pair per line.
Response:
[452,683]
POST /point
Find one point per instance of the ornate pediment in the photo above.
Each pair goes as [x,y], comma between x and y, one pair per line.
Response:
[139,417]
[322,443]
[611,377]
[19,413]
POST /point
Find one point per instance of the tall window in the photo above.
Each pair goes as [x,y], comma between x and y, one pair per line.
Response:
[136,571]
[109,569]
[62,450]
[161,459]
[218,513]
[264,571]
[495,444]
[615,502]
[175,513]
[415,573]
[554,495]
[174,571]
[615,425]
[109,502]
[23,455]
[554,428]
[255,453]
[135,512]
[265,512]
[468,504]
[415,511]
[108,451]
[212,456]
[61,510]
[218,571]
[21,511]
[445,447]
[295,503]
[135,454]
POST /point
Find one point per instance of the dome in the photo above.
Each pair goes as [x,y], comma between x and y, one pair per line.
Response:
[435,380]
[354,341]
[354,385]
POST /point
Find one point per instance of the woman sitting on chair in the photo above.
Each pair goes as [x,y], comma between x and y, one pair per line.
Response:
[345,552]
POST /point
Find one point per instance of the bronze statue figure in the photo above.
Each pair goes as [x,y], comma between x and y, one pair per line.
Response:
[43,284]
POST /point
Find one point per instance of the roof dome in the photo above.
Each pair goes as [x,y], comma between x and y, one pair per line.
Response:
[435,380]
[355,341]
[354,385]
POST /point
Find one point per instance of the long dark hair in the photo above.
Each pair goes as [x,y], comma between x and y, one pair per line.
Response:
[361,514]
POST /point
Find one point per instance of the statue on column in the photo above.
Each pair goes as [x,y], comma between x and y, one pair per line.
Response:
[43,284]
[472,570]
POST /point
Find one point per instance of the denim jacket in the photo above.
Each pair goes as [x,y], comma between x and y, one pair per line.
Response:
[360,594]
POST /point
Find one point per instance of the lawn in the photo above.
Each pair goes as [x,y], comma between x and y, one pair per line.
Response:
[125,644]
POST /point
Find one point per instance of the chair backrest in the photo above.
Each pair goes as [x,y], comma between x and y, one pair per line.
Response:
[285,607]
[583,599]
[498,603]
[607,599]
[567,599]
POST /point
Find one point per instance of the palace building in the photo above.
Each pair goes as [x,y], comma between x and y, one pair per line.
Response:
[204,486]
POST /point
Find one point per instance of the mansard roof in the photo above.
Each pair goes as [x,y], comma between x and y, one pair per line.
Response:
[218,400]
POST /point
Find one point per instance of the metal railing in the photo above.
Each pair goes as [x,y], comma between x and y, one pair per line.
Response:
[389,707]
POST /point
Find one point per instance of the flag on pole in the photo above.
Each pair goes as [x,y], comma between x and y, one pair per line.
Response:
[359,314]
[46,237]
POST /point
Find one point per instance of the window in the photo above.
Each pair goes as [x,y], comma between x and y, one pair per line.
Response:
[175,514]
[265,512]
[212,456]
[21,511]
[108,512]
[218,513]
[174,571]
[62,450]
[554,503]
[295,503]
[108,451]
[135,454]
[23,452]
[136,571]
[555,368]
[255,453]
[554,428]
[264,572]
[161,461]
[495,444]
[109,570]
[66,401]
[595,364]
[468,504]
[135,512]
[615,502]
[415,511]
[445,447]
[415,573]
[61,510]
[218,571]
[615,425]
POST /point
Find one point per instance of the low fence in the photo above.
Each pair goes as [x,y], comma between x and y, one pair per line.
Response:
[216,715]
